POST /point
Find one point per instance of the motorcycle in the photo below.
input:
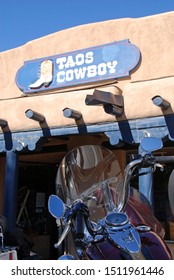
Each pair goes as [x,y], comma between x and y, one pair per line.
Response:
[99,214]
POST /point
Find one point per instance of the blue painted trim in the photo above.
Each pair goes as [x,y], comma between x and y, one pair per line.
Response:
[128,131]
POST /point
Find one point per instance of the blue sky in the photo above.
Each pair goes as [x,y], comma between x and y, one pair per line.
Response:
[25,20]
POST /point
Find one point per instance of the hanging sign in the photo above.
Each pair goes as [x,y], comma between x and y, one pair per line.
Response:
[82,67]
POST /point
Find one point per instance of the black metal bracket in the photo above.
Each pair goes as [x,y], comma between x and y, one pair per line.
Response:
[112,104]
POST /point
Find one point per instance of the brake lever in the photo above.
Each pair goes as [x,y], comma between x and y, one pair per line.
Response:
[64,234]
[160,166]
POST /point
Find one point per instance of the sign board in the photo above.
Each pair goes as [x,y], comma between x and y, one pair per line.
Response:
[82,67]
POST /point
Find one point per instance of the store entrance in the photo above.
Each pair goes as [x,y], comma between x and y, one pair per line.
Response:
[36,182]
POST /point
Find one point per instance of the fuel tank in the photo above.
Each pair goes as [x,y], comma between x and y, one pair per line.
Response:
[152,248]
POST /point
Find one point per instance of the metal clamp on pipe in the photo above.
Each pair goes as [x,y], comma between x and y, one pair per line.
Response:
[160,102]
[34,116]
[73,114]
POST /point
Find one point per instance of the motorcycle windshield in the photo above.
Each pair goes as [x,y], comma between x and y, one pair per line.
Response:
[91,173]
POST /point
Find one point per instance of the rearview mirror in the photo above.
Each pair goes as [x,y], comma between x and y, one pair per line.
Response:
[150,144]
[56,206]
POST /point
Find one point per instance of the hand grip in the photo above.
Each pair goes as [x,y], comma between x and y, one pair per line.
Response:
[79,225]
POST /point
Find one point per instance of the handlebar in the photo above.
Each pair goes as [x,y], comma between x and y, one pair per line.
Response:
[143,162]
[165,159]
[79,217]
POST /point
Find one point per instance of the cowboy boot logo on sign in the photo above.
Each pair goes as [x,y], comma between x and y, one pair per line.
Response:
[46,75]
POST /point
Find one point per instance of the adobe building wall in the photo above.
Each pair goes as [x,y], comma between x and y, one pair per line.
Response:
[153,35]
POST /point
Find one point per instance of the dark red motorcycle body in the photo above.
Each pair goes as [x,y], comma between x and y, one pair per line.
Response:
[153,246]
[140,213]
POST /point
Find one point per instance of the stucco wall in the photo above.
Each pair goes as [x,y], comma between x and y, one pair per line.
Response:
[153,35]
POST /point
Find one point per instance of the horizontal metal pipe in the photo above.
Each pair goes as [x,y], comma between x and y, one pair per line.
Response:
[113,110]
[34,116]
[3,123]
[71,113]
[160,102]
[165,159]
